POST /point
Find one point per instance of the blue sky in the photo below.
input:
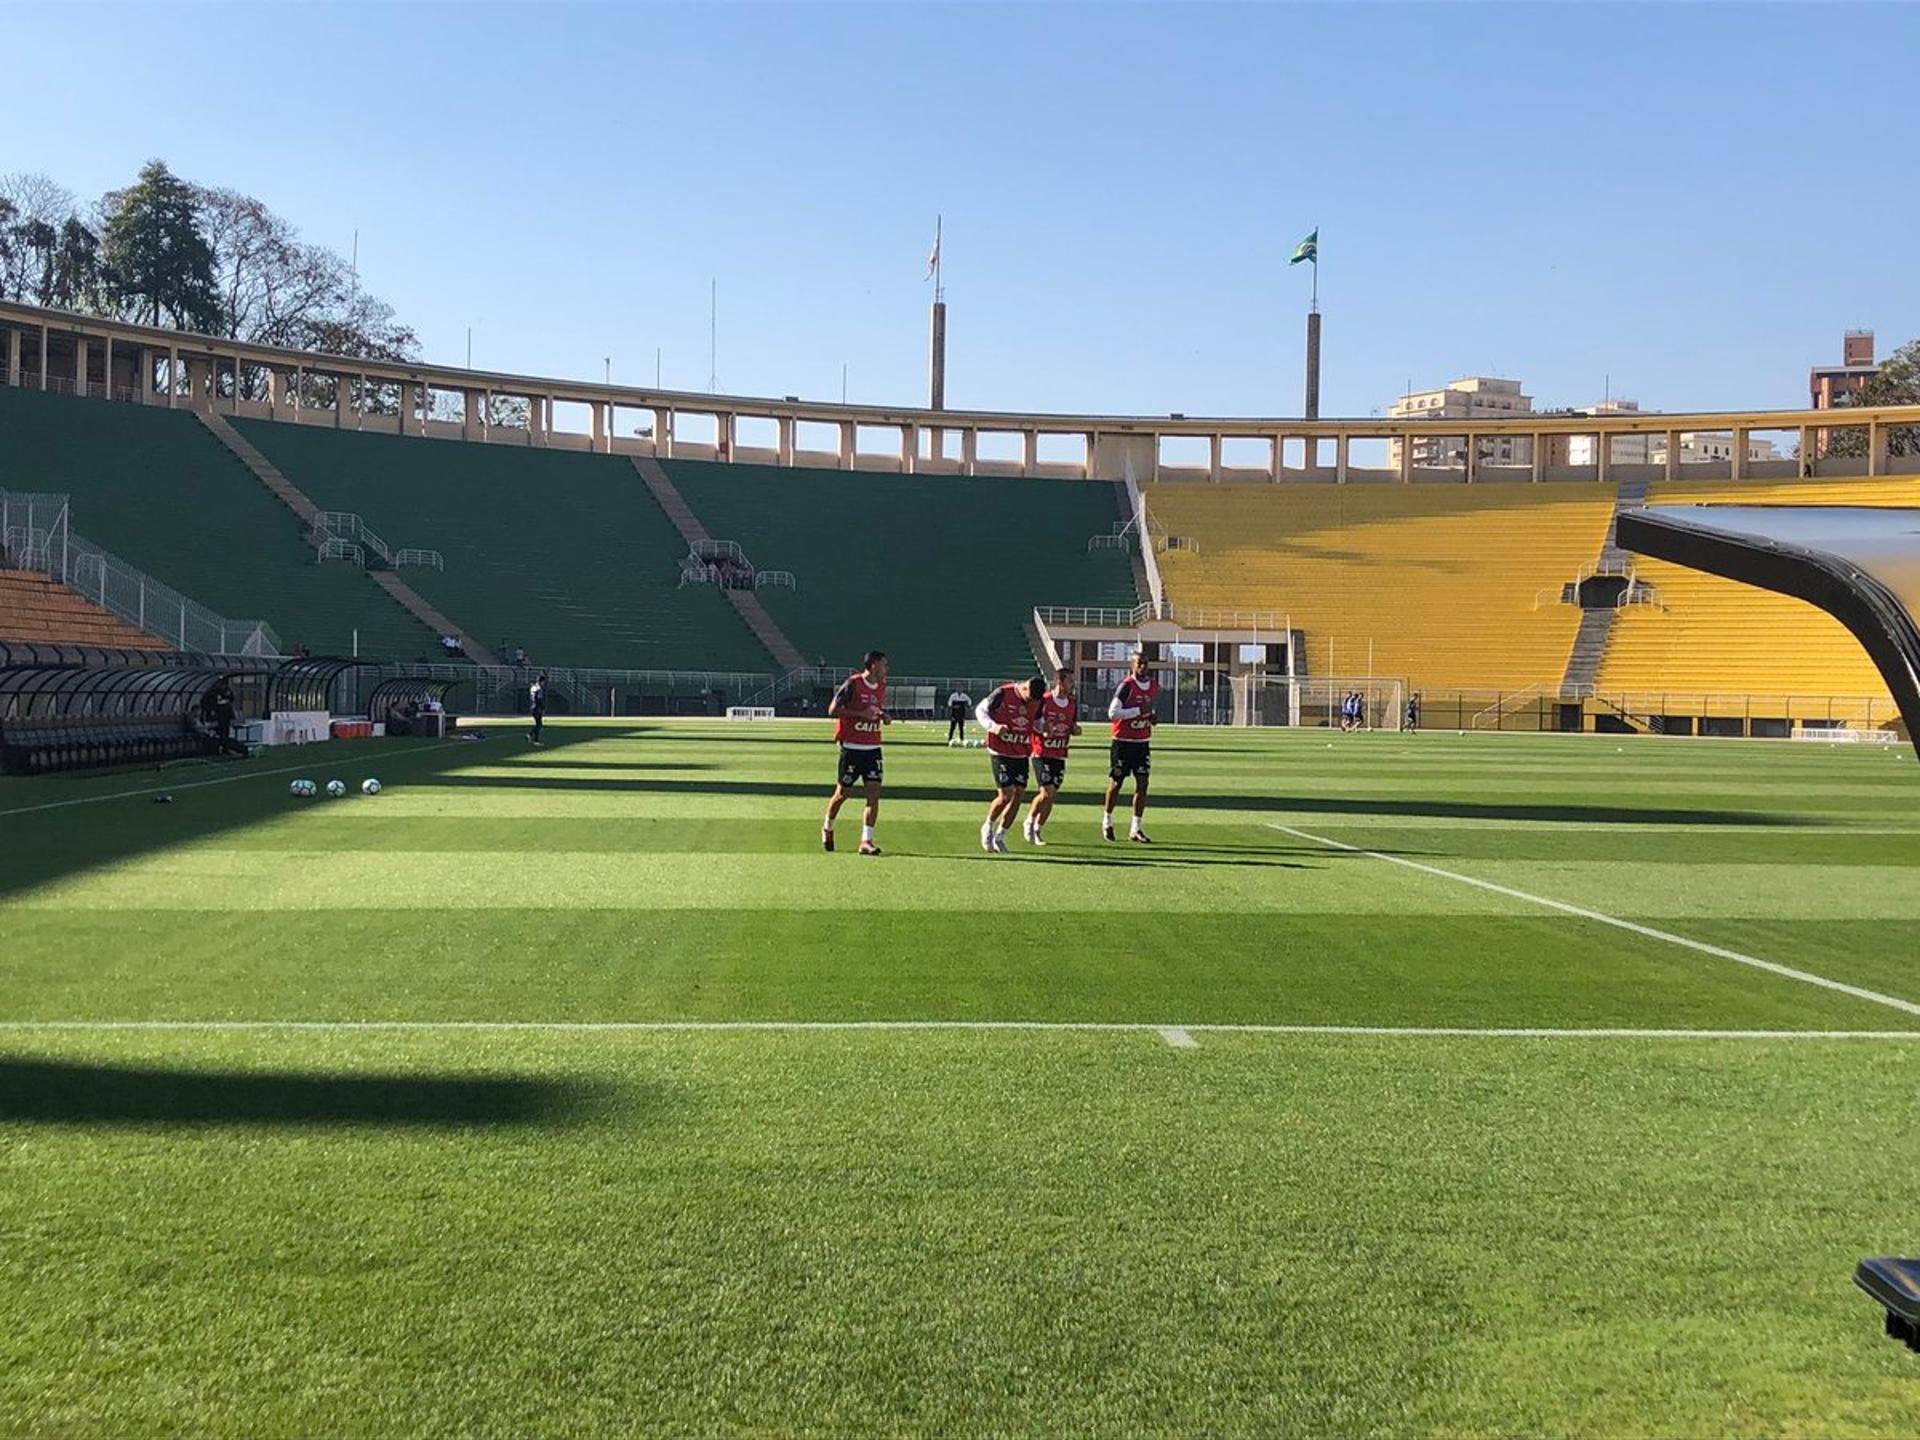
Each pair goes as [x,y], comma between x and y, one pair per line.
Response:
[1694,201]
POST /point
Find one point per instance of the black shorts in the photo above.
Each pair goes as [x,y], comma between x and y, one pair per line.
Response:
[1008,770]
[1130,757]
[860,765]
[1049,771]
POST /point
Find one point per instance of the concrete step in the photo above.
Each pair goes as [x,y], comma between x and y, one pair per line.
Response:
[264,469]
[746,604]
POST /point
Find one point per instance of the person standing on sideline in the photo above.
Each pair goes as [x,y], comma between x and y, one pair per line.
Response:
[1131,711]
[1413,711]
[959,703]
[858,710]
[1008,715]
[537,704]
[1053,733]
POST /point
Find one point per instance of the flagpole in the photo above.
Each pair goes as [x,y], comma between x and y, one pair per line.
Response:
[937,347]
[1313,354]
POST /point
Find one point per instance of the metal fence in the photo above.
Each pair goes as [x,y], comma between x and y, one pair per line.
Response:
[38,535]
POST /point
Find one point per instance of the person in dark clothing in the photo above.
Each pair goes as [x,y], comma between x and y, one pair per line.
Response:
[959,706]
[537,698]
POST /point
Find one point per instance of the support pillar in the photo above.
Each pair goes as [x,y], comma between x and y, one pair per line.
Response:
[1340,442]
[598,411]
[1673,454]
[846,444]
[79,364]
[106,370]
[1539,458]
[13,355]
[1737,461]
[342,398]
[909,448]
[726,434]
[1877,448]
[1406,458]
[1213,458]
[1029,452]
[273,392]
[1472,457]
[43,357]
[969,450]
[173,374]
[1602,457]
[663,433]
[235,407]
[1808,449]
[785,422]
[469,414]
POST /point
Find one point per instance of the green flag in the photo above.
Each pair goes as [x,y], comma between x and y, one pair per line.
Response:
[1307,249]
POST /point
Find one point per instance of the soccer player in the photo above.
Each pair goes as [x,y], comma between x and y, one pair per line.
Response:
[1007,715]
[858,710]
[1053,732]
[1131,711]
[537,704]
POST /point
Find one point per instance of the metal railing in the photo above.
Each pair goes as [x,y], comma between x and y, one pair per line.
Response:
[414,555]
[53,548]
[346,525]
[332,549]
[775,580]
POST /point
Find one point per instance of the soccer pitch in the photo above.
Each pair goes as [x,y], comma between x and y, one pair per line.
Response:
[575,1089]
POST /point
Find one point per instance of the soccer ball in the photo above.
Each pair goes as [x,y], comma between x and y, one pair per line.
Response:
[336,788]
[304,789]
[369,787]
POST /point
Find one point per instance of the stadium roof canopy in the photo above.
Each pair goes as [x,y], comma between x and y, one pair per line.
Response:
[1860,564]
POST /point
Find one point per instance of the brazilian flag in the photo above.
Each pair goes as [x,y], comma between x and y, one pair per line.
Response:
[1307,249]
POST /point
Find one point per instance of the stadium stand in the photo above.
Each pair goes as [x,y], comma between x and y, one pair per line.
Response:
[942,571]
[43,611]
[562,554]
[1708,635]
[155,487]
[1444,583]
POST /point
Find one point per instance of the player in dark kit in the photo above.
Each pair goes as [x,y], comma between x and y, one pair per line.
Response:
[537,705]
[1131,711]
[1053,733]
[1007,715]
[858,710]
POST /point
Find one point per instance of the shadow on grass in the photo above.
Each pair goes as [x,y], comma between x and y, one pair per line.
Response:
[1171,802]
[63,1092]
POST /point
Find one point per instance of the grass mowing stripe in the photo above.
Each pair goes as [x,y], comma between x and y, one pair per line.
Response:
[1805,977]
[1179,1036]
[202,784]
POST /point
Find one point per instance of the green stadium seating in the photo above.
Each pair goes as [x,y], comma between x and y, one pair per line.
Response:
[153,486]
[942,571]
[563,553]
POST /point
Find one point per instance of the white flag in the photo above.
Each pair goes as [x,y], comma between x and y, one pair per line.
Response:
[933,256]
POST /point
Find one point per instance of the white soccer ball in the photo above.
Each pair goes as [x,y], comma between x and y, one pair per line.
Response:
[369,787]
[304,789]
[336,788]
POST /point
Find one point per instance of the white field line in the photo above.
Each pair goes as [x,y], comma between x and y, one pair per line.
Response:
[1121,1027]
[1177,1037]
[1787,972]
[202,784]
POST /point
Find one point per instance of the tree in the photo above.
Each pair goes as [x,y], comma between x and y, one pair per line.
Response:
[33,208]
[154,255]
[73,268]
[1896,383]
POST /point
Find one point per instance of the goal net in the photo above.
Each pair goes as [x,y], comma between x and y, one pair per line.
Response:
[1845,735]
[749,712]
[1330,703]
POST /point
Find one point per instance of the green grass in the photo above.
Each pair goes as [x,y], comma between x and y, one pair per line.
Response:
[407,1229]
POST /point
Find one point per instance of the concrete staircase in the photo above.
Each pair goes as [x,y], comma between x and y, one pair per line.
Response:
[745,603]
[1596,626]
[263,469]
[308,513]
[1142,587]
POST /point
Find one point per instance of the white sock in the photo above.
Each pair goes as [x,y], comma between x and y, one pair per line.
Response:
[827,824]
[866,834]
[1134,828]
[998,831]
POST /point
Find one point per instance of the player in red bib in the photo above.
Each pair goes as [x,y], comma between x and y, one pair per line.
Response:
[1131,711]
[858,710]
[1053,732]
[1007,715]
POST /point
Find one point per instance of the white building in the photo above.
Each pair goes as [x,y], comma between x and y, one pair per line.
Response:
[1474,397]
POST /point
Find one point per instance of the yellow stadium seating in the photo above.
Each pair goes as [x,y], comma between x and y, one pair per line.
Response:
[1451,586]
[1709,635]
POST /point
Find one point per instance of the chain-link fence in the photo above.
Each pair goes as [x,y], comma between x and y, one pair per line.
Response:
[38,534]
